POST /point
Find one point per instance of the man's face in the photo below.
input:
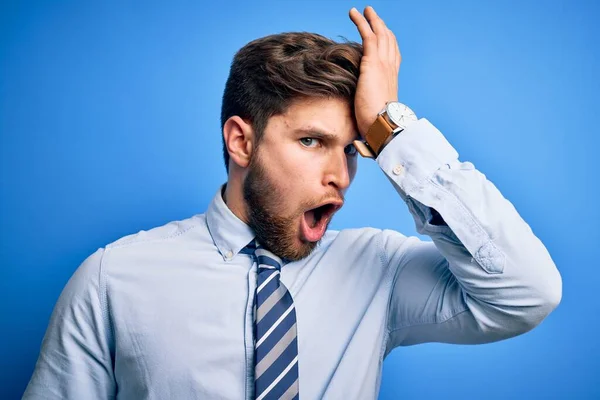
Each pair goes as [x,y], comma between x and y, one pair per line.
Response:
[298,175]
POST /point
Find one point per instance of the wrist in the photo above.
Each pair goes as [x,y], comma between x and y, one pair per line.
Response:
[392,120]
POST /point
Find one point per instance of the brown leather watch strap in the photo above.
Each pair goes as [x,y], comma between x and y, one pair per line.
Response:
[378,134]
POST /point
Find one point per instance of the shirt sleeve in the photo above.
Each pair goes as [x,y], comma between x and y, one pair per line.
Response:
[75,359]
[484,276]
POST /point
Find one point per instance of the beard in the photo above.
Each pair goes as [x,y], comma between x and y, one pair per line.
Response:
[264,205]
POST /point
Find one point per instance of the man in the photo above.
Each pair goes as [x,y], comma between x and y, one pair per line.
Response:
[256,299]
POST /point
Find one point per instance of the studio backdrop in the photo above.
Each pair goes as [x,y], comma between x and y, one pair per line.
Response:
[109,124]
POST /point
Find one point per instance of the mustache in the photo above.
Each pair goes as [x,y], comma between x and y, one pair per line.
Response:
[334,197]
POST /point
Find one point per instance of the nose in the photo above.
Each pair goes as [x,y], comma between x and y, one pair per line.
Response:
[337,174]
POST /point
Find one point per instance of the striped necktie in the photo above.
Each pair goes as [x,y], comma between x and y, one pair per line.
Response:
[276,344]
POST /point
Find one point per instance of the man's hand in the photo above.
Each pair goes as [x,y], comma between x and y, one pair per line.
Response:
[378,79]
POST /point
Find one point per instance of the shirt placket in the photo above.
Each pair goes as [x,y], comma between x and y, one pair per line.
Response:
[249,332]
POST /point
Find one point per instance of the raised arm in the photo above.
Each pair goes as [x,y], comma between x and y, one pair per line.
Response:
[485,276]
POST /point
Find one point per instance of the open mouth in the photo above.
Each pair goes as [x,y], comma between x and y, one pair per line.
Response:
[315,220]
[316,215]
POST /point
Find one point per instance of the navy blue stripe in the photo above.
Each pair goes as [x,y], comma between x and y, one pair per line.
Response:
[277,368]
[275,336]
[247,250]
[275,313]
[268,289]
[285,382]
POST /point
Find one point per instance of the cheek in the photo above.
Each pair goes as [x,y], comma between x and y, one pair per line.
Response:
[290,169]
[292,163]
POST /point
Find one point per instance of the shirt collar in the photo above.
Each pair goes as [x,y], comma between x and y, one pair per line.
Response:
[229,233]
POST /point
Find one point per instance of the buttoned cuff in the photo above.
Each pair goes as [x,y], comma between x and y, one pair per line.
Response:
[415,154]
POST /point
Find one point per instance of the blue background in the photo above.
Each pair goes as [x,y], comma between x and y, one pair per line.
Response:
[109,122]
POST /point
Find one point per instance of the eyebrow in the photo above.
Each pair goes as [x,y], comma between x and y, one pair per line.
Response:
[315,133]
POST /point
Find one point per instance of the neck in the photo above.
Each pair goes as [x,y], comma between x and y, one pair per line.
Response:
[234,198]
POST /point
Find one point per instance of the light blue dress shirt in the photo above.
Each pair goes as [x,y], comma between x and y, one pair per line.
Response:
[167,313]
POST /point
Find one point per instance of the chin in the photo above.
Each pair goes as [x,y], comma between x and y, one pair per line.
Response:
[300,249]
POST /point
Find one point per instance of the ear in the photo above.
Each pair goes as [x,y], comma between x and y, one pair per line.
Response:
[239,139]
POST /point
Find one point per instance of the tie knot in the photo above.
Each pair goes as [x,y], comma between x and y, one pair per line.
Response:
[264,257]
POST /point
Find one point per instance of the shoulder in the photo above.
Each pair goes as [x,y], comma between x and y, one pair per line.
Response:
[172,230]
[157,247]
[133,254]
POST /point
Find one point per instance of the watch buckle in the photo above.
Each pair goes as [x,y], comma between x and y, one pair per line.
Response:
[364,149]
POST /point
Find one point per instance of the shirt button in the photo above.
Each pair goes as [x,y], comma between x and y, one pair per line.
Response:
[229,255]
[397,170]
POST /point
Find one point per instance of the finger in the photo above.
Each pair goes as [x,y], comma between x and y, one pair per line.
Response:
[394,50]
[398,56]
[376,23]
[391,49]
[381,31]
[366,33]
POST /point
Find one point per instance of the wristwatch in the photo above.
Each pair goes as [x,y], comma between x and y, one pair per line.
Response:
[392,120]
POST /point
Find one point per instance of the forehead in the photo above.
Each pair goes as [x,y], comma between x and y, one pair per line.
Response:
[332,116]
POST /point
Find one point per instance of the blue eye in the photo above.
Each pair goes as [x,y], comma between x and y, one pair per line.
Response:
[307,141]
[350,150]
